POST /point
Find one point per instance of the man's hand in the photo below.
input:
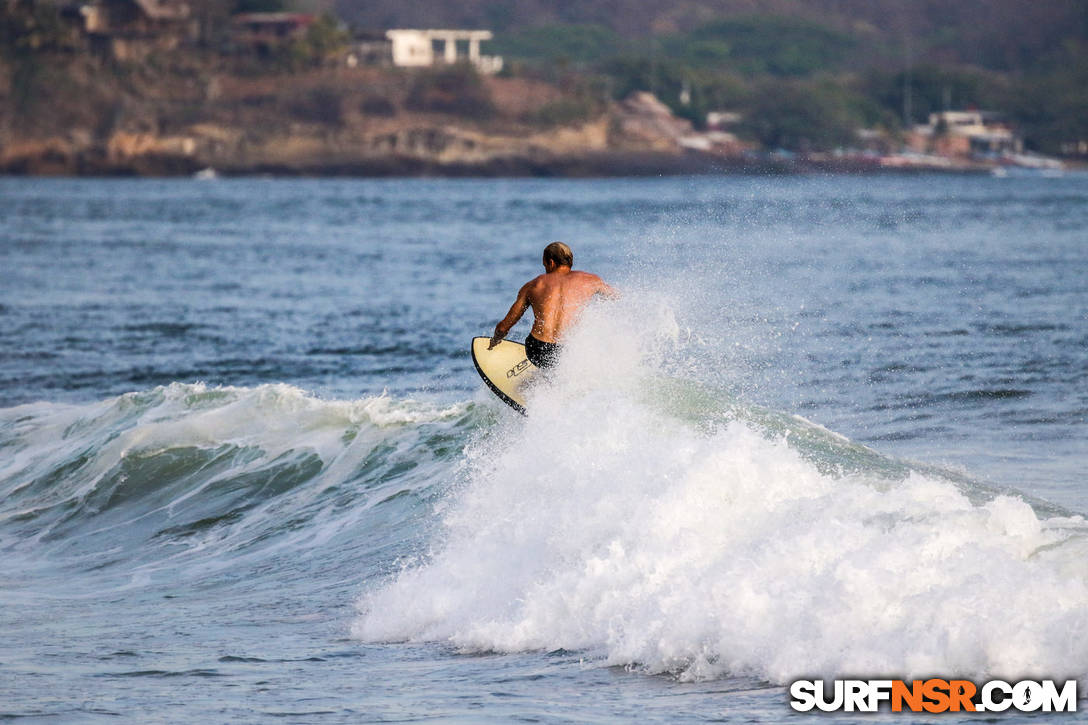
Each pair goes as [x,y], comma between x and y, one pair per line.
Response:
[516,311]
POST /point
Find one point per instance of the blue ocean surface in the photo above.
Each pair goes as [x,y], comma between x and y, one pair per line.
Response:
[835,427]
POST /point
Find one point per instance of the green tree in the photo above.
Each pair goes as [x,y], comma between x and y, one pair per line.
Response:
[326,35]
[664,78]
[933,87]
[763,44]
[323,38]
[800,117]
[1050,105]
[573,43]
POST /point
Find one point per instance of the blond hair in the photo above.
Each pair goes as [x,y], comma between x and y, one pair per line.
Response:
[560,254]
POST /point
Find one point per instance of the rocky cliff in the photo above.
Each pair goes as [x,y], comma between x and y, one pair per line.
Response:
[79,117]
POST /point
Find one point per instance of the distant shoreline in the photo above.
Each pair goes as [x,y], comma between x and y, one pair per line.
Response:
[589,165]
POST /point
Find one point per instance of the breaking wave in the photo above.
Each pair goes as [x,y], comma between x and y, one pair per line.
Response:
[634,516]
[191,480]
[655,526]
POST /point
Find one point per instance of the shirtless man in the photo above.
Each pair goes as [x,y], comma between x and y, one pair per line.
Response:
[557,296]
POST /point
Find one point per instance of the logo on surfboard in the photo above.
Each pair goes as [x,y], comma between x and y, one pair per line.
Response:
[518,369]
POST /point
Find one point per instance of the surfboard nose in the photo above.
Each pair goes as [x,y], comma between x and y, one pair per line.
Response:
[505,369]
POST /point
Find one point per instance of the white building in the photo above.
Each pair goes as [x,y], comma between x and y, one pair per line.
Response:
[416,48]
[963,132]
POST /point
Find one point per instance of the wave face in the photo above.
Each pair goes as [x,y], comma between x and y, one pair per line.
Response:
[662,529]
[190,481]
[634,517]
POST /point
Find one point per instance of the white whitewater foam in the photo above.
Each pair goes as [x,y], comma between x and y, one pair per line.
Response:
[599,523]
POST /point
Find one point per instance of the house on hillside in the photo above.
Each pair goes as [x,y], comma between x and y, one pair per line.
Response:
[963,133]
[131,29]
[417,48]
[265,31]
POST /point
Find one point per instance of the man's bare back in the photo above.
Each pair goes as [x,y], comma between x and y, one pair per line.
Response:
[557,296]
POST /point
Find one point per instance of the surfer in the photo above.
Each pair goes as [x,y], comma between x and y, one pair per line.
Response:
[557,296]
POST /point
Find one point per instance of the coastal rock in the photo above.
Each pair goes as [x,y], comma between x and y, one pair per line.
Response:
[125,146]
[159,123]
[644,121]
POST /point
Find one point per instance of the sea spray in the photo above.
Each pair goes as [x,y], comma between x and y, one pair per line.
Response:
[604,522]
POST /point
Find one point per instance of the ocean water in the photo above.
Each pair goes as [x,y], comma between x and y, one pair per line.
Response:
[835,426]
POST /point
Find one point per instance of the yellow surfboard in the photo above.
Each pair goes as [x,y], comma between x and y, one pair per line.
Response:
[505,369]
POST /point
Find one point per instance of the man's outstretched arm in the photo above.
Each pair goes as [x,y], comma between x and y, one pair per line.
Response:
[516,311]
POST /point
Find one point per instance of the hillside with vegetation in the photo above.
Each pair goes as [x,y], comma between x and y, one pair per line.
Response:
[292,107]
[801,71]
[579,91]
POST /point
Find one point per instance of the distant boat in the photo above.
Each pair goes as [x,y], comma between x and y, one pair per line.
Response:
[206,174]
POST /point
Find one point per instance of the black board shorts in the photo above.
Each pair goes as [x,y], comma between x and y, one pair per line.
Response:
[540,353]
